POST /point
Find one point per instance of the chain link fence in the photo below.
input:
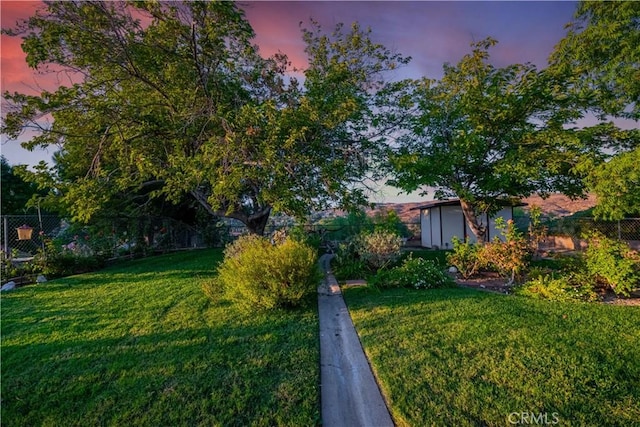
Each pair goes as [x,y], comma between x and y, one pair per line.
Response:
[125,236]
[570,233]
[22,236]
[624,229]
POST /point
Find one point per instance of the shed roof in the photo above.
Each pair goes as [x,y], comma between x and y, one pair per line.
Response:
[456,202]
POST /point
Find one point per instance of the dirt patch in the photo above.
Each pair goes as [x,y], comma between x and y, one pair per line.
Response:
[487,282]
[491,282]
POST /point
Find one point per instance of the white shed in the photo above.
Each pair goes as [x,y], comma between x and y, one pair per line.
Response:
[442,220]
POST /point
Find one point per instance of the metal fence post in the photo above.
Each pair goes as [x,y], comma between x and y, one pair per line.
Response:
[6,237]
[619,231]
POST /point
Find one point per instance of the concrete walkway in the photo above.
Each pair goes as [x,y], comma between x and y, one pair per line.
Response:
[350,396]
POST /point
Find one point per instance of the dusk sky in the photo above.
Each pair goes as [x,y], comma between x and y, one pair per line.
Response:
[432,33]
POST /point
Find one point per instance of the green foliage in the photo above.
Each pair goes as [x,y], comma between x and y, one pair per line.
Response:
[357,222]
[343,228]
[390,222]
[347,264]
[416,273]
[538,231]
[600,53]
[465,257]
[366,244]
[184,106]
[9,269]
[57,260]
[613,263]
[599,58]
[16,192]
[482,133]
[379,249]
[571,287]
[617,186]
[439,256]
[259,275]
[301,234]
[511,256]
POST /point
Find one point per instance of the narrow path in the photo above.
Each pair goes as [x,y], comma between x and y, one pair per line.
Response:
[349,393]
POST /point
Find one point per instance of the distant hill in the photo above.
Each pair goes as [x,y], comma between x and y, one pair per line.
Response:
[560,205]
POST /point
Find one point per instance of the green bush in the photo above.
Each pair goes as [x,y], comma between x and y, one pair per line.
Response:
[612,263]
[415,273]
[307,236]
[379,249]
[347,263]
[257,274]
[573,287]
[344,228]
[59,261]
[391,222]
[465,257]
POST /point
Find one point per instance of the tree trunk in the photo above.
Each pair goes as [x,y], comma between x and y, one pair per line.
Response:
[479,230]
[256,223]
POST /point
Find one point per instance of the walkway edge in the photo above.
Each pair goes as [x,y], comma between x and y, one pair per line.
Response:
[350,395]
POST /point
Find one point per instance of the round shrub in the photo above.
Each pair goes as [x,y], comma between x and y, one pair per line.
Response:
[613,263]
[380,248]
[465,257]
[572,287]
[257,274]
[414,273]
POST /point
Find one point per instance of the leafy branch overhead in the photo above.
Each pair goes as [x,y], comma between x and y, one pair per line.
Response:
[600,60]
[172,100]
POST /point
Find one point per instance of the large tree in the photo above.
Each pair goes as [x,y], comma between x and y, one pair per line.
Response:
[600,58]
[483,133]
[172,99]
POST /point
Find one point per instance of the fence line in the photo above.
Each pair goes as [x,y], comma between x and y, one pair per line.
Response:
[624,229]
[114,236]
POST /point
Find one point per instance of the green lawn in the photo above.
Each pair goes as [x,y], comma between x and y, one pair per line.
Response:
[140,344]
[463,357]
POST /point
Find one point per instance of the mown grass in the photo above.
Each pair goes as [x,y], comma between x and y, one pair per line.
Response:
[140,344]
[464,357]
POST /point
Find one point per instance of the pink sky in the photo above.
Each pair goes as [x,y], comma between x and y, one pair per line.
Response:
[432,33]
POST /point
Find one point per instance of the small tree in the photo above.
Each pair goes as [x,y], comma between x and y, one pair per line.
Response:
[483,133]
[509,257]
[537,230]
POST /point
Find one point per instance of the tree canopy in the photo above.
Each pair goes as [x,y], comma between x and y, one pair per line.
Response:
[483,133]
[600,59]
[16,192]
[172,100]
